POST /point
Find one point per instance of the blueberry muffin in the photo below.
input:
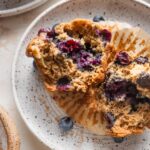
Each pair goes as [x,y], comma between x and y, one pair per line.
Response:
[72,56]
[119,105]
[98,73]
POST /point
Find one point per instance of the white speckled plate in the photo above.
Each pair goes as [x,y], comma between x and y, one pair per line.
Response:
[14,7]
[37,109]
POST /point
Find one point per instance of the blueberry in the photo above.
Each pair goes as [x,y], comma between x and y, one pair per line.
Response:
[66,123]
[110,118]
[115,87]
[65,80]
[70,46]
[141,60]
[50,34]
[122,58]
[118,140]
[63,84]
[104,34]
[84,60]
[144,80]
[98,18]
[34,64]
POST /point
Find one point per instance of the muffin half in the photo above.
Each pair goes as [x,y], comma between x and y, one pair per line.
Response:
[72,56]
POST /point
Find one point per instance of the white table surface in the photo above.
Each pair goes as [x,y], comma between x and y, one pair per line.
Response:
[11,30]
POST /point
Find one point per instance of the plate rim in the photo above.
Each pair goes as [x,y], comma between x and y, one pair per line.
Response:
[16,99]
[21,9]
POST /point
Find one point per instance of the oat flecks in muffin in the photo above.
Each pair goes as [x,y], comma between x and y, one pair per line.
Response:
[99,73]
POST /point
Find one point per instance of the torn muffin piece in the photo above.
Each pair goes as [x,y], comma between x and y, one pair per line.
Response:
[125,90]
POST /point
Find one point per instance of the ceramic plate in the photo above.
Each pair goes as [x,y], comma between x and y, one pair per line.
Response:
[38,110]
[14,7]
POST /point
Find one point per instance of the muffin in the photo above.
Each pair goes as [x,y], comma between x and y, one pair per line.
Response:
[98,73]
[72,56]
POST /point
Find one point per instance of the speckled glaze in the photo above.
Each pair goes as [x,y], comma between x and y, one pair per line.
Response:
[38,110]
[14,7]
